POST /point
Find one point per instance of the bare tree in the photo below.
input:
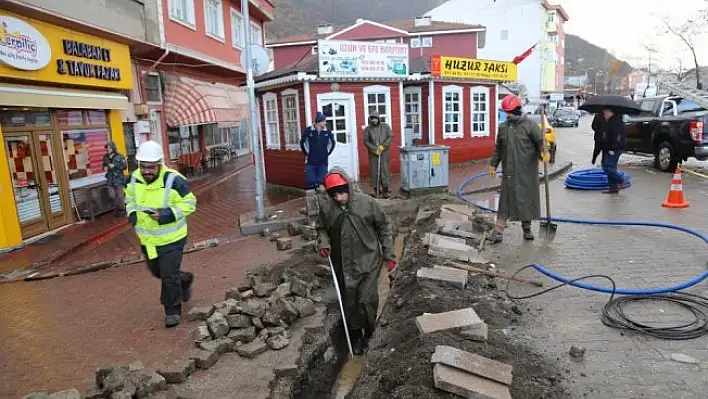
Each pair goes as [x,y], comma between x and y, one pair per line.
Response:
[688,32]
[679,70]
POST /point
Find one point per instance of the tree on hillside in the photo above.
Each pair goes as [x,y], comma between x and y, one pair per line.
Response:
[688,33]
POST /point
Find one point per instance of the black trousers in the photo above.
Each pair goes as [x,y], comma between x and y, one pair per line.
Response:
[166,267]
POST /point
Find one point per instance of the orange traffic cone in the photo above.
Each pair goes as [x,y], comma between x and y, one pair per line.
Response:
[675,199]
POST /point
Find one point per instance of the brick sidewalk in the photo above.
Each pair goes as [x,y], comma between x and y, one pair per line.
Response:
[55,333]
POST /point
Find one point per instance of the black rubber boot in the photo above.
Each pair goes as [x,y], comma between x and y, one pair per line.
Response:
[172,320]
[357,342]
[526,227]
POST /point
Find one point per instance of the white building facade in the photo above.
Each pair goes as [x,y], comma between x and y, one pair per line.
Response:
[513,26]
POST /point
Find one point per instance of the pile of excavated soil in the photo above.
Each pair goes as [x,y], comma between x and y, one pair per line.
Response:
[398,360]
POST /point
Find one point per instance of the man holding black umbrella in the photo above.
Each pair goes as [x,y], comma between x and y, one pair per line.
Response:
[615,139]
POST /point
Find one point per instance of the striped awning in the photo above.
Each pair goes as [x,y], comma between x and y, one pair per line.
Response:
[193,102]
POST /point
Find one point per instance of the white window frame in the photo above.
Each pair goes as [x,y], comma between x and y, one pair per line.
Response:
[215,32]
[453,89]
[270,142]
[237,29]
[378,89]
[298,131]
[159,88]
[261,39]
[190,21]
[419,91]
[486,92]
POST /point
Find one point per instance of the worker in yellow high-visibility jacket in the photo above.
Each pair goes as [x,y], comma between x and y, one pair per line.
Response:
[158,201]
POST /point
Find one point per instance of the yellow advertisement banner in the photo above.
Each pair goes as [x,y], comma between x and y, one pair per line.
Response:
[471,68]
[38,51]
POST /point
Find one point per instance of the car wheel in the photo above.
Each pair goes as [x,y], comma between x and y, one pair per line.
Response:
[664,158]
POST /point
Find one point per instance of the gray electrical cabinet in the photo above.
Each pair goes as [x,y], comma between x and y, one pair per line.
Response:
[424,169]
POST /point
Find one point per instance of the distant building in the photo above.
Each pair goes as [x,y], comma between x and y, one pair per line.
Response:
[580,80]
[512,27]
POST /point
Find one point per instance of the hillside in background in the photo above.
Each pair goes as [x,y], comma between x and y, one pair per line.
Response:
[582,56]
[302,16]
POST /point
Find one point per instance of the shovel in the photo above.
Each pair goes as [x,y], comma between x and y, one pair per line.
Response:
[547,228]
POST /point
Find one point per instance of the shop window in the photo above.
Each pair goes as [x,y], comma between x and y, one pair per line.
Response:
[452,112]
[83,151]
[215,136]
[272,125]
[214,18]
[240,139]
[413,110]
[291,119]
[256,35]
[96,118]
[17,118]
[153,88]
[69,117]
[480,111]
[173,142]
[182,11]
[237,31]
[377,98]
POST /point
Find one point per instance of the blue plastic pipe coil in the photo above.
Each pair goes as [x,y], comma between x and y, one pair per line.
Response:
[592,179]
[589,178]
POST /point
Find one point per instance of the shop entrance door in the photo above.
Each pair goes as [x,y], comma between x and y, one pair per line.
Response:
[39,187]
[338,108]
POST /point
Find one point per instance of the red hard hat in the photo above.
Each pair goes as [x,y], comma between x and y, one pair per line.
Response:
[334,180]
[511,102]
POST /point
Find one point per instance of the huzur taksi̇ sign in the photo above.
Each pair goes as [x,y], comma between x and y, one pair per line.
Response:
[471,68]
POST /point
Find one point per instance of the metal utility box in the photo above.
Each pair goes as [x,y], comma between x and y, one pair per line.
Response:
[424,169]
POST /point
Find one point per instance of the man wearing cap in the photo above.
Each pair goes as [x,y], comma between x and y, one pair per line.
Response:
[317,142]
[519,147]
[158,201]
[356,234]
[377,139]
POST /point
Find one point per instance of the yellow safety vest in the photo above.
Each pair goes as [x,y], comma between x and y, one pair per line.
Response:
[140,197]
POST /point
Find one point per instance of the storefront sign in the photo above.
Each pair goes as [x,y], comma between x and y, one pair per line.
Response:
[22,46]
[353,59]
[53,54]
[470,68]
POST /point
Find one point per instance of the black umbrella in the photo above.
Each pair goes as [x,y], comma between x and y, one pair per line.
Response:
[618,104]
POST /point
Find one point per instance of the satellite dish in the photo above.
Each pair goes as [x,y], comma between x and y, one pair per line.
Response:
[259,60]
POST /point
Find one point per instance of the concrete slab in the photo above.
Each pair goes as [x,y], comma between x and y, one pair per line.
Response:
[476,334]
[461,209]
[450,247]
[472,363]
[249,226]
[445,275]
[454,320]
[446,214]
[467,385]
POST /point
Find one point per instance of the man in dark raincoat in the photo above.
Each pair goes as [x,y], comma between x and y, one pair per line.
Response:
[378,138]
[114,164]
[519,147]
[356,234]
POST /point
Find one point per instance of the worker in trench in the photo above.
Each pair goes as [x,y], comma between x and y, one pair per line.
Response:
[378,138]
[357,236]
[519,147]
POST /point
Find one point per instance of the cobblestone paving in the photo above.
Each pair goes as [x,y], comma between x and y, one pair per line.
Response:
[616,364]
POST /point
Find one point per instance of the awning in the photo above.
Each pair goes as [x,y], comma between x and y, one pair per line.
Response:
[193,102]
[37,96]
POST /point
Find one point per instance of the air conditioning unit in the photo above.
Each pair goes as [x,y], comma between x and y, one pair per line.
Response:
[325,29]
[141,109]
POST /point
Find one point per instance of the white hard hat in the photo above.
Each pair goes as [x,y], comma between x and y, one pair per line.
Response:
[149,151]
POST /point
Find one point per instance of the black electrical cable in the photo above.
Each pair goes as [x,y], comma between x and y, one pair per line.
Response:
[614,315]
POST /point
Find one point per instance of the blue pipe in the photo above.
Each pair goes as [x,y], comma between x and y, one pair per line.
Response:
[592,179]
[591,287]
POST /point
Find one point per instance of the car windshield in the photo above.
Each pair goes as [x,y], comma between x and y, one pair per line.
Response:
[565,114]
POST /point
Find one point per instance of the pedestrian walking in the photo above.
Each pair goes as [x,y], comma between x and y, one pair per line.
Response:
[519,147]
[615,139]
[317,143]
[378,138]
[356,234]
[158,201]
[599,126]
[114,164]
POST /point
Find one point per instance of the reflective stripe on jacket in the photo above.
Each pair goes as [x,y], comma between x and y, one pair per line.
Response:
[168,195]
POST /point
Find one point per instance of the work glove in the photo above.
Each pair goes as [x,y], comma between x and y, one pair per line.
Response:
[492,171]
[546,157]
[391,265]
[324,252]
[379,150]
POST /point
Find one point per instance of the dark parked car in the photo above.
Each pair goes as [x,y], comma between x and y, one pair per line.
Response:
[671,128]
[565,118]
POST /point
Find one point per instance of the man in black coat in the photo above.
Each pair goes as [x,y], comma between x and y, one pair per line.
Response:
[615,139]
[599,125]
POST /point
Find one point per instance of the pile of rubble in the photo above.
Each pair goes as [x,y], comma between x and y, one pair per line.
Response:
[253,318]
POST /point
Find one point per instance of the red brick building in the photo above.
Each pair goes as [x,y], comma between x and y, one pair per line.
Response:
[456,112]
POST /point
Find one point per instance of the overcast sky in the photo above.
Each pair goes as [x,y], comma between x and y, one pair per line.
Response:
[622,26]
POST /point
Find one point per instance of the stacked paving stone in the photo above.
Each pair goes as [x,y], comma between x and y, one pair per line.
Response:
[253,318]
[470,375]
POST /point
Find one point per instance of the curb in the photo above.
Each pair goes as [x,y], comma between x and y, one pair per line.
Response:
[551,175]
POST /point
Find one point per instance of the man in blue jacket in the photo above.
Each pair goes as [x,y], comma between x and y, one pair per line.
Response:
[317,143]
